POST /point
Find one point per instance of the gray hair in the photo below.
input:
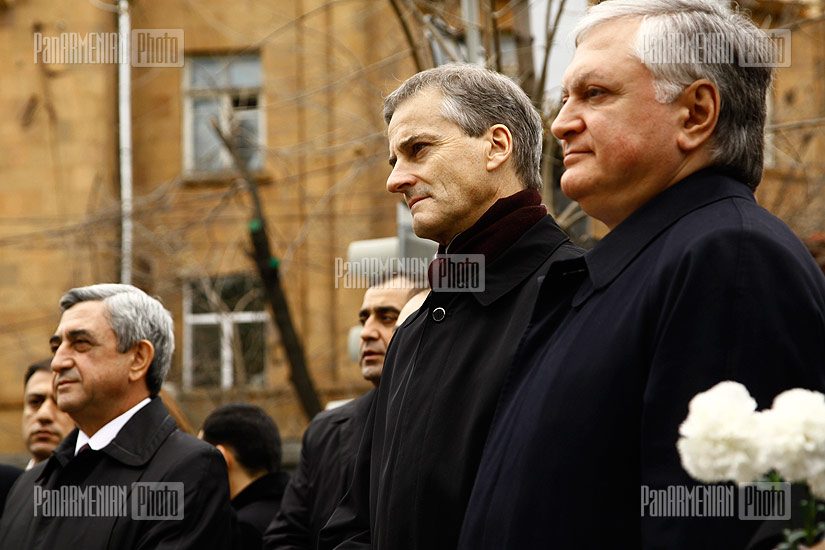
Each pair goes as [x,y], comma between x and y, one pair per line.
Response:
[737,144]
[133,316]
[476,99]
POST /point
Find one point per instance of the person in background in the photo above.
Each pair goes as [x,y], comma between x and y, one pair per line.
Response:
[331,441]
[250,443]
[44,424]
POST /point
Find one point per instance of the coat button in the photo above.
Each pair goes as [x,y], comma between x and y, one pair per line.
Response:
[439,314]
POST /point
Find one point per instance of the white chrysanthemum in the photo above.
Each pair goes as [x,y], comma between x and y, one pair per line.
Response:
[792,436]
[718,440]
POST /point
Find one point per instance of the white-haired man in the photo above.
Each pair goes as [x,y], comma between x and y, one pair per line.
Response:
[694,284]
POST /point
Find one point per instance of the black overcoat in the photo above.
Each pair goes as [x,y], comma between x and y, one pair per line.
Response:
[442,377]
[322,477]
[698,286]
[149,448]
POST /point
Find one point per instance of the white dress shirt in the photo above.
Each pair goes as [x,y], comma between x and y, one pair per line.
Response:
[107,433]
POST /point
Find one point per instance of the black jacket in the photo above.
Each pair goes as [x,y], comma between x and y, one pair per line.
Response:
[8,475]
[256,505]
[323,475]
[439,389]
[149,448]
[697,286]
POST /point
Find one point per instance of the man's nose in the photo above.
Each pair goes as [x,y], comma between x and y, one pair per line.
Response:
[46,412]
[567,122]
[61,360]
[369,330]
[400,178]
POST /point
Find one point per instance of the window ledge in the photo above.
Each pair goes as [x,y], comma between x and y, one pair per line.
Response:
[197,179]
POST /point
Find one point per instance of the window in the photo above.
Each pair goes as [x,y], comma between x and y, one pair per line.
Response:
[227,89]
[224,332]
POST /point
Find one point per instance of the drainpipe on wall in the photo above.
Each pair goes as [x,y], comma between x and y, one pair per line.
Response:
[124,94]
[469,12]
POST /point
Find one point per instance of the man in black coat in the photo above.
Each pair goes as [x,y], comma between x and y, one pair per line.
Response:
[694,284]
[250,443]
[465,147]
[126,477]
[331,441]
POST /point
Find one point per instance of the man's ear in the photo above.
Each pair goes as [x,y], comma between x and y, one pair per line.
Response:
[142,355]
[699,113]
[500,146]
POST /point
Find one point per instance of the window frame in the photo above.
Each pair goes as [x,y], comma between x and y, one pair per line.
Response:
[224,95]
[225,322]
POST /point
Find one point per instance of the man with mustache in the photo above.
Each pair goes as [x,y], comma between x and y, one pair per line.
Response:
[44,424]
[126,477]
[465,149]
[331,441]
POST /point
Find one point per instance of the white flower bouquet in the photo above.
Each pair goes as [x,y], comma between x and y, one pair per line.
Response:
[724,438]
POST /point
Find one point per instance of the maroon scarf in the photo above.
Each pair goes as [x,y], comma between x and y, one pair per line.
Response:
[498,228]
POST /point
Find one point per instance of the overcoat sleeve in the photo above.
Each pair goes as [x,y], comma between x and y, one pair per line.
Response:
[291,529]
[349,526]
[740,305]
[208,519]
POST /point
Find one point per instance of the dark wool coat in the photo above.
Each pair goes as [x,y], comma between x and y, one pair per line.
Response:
[698,286]
[256,505]
[149,448]
[442,377]
[323,475]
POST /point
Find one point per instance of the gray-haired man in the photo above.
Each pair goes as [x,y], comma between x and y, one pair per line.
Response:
[465,147]
[126,477]
[694,284]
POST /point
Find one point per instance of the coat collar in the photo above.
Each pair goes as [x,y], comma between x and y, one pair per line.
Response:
[267,487]
[134,444]
[621,246]
[521,259]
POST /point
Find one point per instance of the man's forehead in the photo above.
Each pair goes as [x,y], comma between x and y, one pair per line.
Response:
[39,382]
[87,315]
[378,297]
[422,110]
[606,35]
[614,39]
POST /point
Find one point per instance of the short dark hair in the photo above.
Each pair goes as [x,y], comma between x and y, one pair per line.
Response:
[251,434]
[45,365]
